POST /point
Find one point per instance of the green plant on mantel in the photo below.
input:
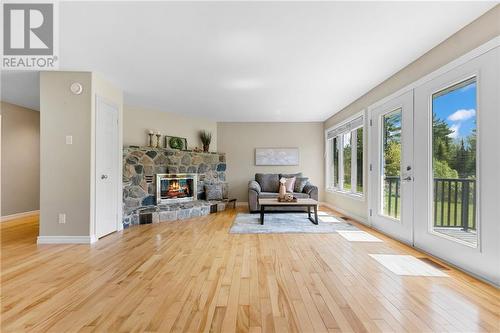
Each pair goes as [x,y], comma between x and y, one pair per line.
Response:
[206,138]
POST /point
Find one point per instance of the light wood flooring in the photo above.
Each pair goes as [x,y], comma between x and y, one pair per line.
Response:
[194,276]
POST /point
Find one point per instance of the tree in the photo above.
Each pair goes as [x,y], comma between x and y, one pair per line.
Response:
[443,170]
[441,139]
[460,160]
[392,156]
[470,165]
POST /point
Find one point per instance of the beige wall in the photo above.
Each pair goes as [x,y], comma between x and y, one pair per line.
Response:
[137,121]
[239,140]
[20,159]
[473,35]
[67,171]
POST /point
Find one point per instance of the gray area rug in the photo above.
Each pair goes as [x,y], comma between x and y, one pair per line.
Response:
[281,223]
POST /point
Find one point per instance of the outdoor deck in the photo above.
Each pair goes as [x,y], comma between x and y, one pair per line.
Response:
[469,236]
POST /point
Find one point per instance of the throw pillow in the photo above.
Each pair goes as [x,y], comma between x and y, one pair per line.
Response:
[225,190]
[300,183]
[269,182]
[290,175]
[213,192]
[289,184]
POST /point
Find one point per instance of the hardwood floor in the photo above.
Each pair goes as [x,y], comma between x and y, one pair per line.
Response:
[195,276]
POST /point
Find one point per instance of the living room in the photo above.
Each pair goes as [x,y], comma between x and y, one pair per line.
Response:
[264,166]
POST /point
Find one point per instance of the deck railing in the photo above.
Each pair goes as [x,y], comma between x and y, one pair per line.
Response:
[454,201]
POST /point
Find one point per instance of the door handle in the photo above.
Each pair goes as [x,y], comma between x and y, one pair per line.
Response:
[408,178]
[104,176]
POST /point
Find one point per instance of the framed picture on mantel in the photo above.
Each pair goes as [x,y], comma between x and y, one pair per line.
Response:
[174,142]
[276,156]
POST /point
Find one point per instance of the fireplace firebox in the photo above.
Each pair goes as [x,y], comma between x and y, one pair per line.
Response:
[173,188]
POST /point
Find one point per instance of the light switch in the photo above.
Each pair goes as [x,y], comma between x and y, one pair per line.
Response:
[69,139]
[62,218]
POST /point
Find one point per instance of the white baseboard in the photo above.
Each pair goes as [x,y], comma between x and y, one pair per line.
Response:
[66,239]
[241,204]
[18,215]
[346,213]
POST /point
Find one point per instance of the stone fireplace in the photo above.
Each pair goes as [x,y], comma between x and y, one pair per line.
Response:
[174,188]
[143,165]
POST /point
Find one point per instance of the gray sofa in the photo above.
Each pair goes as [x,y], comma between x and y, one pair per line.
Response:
[266,185]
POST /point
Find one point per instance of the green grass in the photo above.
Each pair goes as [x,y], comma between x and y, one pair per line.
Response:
[441,220]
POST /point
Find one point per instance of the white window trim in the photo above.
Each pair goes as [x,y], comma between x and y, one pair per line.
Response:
[328,157]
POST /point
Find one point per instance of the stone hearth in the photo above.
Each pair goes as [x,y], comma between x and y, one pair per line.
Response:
[141,164]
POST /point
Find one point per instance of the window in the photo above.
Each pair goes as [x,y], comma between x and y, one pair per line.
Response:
[359,160]
[345,157]
[347,150]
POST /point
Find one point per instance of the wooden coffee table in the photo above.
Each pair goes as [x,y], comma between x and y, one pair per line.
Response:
[308,203]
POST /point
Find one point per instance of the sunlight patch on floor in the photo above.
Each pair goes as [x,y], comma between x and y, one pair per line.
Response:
[406,265]
[358,236]
[329,219]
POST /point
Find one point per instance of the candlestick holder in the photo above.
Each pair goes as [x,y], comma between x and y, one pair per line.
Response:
[158,136]
[150,139]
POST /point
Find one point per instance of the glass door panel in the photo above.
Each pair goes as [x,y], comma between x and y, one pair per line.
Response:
[391,179]
[391,163]
[454,129]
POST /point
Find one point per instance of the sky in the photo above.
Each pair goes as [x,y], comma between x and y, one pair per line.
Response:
[458,109]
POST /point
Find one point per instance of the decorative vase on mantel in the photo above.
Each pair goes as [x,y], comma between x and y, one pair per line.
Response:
[205,138]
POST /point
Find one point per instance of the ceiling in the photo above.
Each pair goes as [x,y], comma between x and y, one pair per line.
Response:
[246,61]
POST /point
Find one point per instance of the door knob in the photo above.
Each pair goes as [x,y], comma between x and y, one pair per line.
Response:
[104,176]
[408,178]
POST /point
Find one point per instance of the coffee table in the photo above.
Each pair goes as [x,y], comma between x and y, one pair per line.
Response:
[308,203]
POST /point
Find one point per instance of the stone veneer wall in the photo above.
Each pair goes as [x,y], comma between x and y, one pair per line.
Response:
[140,166]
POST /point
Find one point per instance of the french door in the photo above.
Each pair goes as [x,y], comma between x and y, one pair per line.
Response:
[434,166]
[391,164]
[457,167]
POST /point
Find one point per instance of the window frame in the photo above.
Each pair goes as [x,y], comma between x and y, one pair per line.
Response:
[330,185]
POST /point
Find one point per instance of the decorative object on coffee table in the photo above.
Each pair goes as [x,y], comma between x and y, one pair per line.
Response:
[206,139]
[277,156]
[174,142]
[282,191]
[288,198]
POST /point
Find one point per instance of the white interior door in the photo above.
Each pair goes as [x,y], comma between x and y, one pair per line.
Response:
[106,198]
[391,163]
[457,166]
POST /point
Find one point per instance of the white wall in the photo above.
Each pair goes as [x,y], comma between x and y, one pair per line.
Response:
[138,120]
[473,35]
[239,140]
[20,159]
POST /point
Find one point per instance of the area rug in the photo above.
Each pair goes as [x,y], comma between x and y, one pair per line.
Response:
[284,223]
